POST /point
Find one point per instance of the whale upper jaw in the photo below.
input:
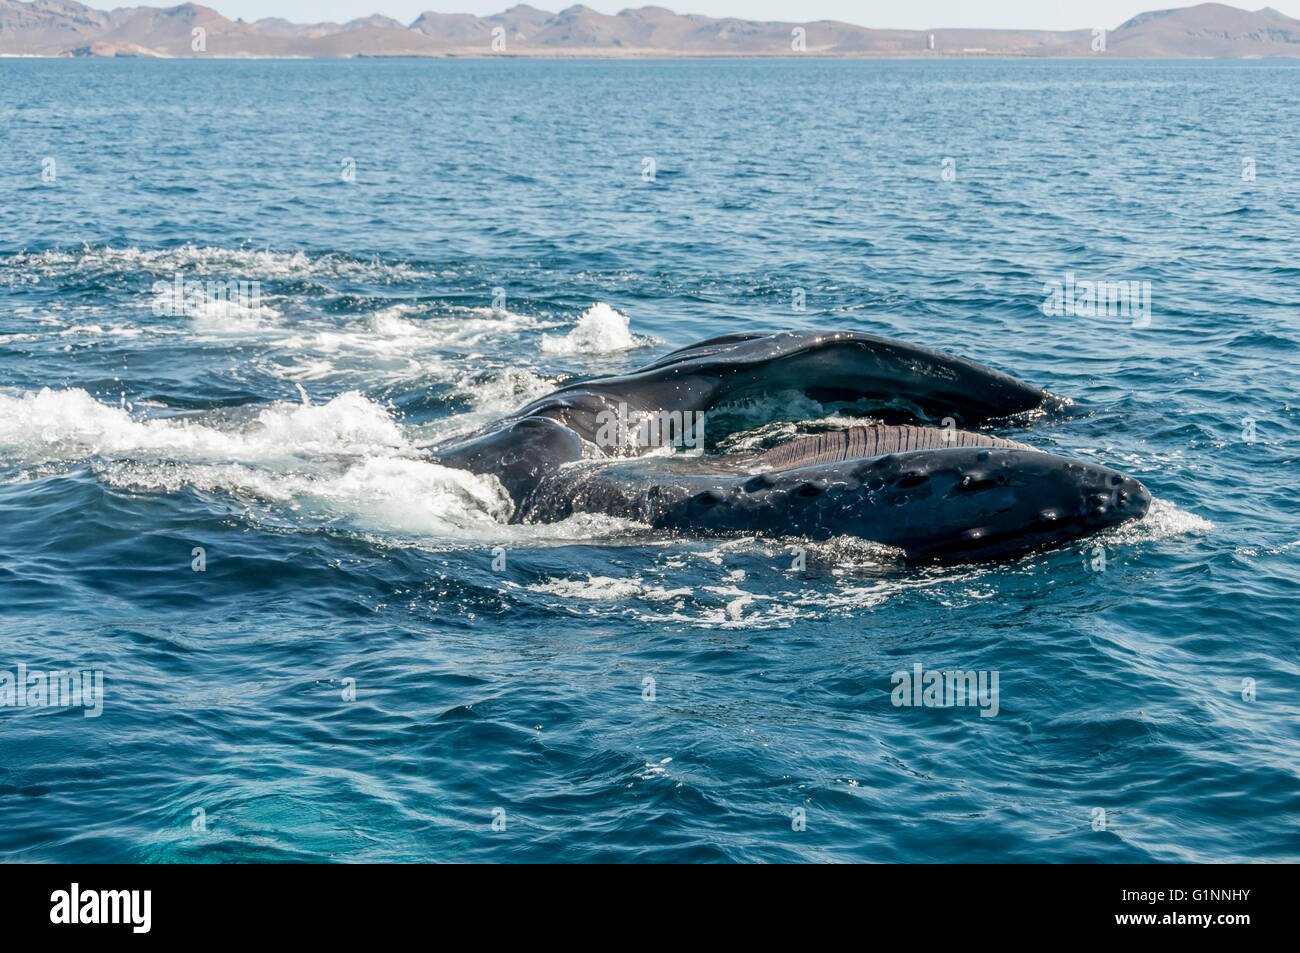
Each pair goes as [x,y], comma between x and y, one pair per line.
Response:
[1063,501]
[963,504]
[976,503]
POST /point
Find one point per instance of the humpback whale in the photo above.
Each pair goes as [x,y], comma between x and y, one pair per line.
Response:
[936,492]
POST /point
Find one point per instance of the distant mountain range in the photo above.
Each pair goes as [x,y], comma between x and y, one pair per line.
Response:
[67,28]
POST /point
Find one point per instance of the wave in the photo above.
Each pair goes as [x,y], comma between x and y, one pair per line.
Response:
[346,459]
[68,425]
[243,263]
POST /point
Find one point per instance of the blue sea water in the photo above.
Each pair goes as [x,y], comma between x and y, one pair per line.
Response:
[318,646]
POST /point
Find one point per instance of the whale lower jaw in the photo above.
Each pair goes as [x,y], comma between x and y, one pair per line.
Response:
[957,503]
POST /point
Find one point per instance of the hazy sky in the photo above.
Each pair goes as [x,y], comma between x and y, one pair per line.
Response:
[915,14]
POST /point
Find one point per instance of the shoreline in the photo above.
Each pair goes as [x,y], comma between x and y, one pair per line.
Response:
[658,55]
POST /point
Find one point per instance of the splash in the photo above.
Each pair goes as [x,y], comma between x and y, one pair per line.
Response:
[70,425]
[600,330]
[344,461]
[1163,520]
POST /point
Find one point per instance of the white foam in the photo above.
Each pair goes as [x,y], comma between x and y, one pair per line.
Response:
[344,461]
[608,589]
[212,311]
[657,603]
[399,342]
[408,498]
[66,425]
[1163,520]
[226,263]
[600,330]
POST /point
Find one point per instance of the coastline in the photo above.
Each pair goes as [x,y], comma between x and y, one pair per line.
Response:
[474,54]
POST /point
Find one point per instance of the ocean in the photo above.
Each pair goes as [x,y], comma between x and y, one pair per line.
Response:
[238,297]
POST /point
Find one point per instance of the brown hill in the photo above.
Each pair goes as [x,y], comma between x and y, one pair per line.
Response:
[1209,29]
[65,27]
